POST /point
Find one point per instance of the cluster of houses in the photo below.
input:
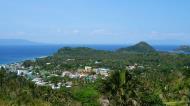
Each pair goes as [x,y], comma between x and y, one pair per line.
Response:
[87,71]
[135,66]
[87,74]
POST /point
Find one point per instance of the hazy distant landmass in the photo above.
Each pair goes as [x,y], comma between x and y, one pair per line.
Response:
[15,42]
[183,48]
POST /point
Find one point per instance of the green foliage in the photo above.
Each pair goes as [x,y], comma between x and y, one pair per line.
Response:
[87,95]
[20,91]
[150,99]
[28,63]
[123,89]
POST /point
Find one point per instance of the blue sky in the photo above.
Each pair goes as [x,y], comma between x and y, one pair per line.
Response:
[96,21]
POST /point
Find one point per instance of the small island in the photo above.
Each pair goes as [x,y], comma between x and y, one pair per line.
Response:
[183,48]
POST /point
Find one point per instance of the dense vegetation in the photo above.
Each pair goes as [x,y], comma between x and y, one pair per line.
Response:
[16,90]
[141,47]
[158,78]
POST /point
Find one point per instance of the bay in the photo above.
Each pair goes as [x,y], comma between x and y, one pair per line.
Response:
[11,54]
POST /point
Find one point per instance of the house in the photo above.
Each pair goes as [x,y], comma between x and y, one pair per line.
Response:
[66,73]
[42,83]
[97,62]
[55,75]
[130,67]
[68,84]
[30,75]
[70,59]
[48,63]
[75,75]
[81,75]
[58,86]
[70,75]
[102,71]
[88,69]
[2,66]
[39,81]
[22,72]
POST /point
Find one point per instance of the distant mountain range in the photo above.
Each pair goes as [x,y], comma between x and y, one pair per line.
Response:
[15,42]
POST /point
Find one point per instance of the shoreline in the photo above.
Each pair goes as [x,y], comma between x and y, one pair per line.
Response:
[22,60]
[12,58]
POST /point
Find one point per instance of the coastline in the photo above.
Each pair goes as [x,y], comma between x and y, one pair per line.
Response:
[13,54]
[22,60]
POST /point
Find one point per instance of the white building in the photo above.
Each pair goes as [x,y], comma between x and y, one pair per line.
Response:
[39,81]
[58,86]
[70,75]
[102,71]
[88,68]
[130,67]
[68,84]
[22,72]
[66,73]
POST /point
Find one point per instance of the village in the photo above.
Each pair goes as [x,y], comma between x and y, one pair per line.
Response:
[66,79]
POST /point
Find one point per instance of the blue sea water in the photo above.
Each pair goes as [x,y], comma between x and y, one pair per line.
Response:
[10,54]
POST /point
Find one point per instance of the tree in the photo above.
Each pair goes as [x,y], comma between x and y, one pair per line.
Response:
[123,89]
[120,87]
[2,75]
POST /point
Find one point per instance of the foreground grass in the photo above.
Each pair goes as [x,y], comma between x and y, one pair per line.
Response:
[3,103]
[176,103]
[36,103]
[87,95]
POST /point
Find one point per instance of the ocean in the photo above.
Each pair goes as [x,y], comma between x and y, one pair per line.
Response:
[11,54]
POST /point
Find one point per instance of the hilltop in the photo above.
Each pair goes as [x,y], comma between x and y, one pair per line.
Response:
[141,47]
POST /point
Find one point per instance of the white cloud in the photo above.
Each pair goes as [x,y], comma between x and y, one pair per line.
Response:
[101,32]
[167,35]
[76,31]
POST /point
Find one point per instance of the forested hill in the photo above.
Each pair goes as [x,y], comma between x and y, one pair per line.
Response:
[89,53]
[141,47]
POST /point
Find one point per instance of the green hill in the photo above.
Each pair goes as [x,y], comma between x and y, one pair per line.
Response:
[141,47]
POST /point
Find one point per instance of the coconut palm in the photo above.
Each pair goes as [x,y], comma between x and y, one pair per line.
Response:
[121,88]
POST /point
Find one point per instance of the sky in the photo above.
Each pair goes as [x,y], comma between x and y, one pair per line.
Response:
[96,21]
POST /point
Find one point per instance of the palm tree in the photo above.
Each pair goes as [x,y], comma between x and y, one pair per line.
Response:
[121,88]
[2,75]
